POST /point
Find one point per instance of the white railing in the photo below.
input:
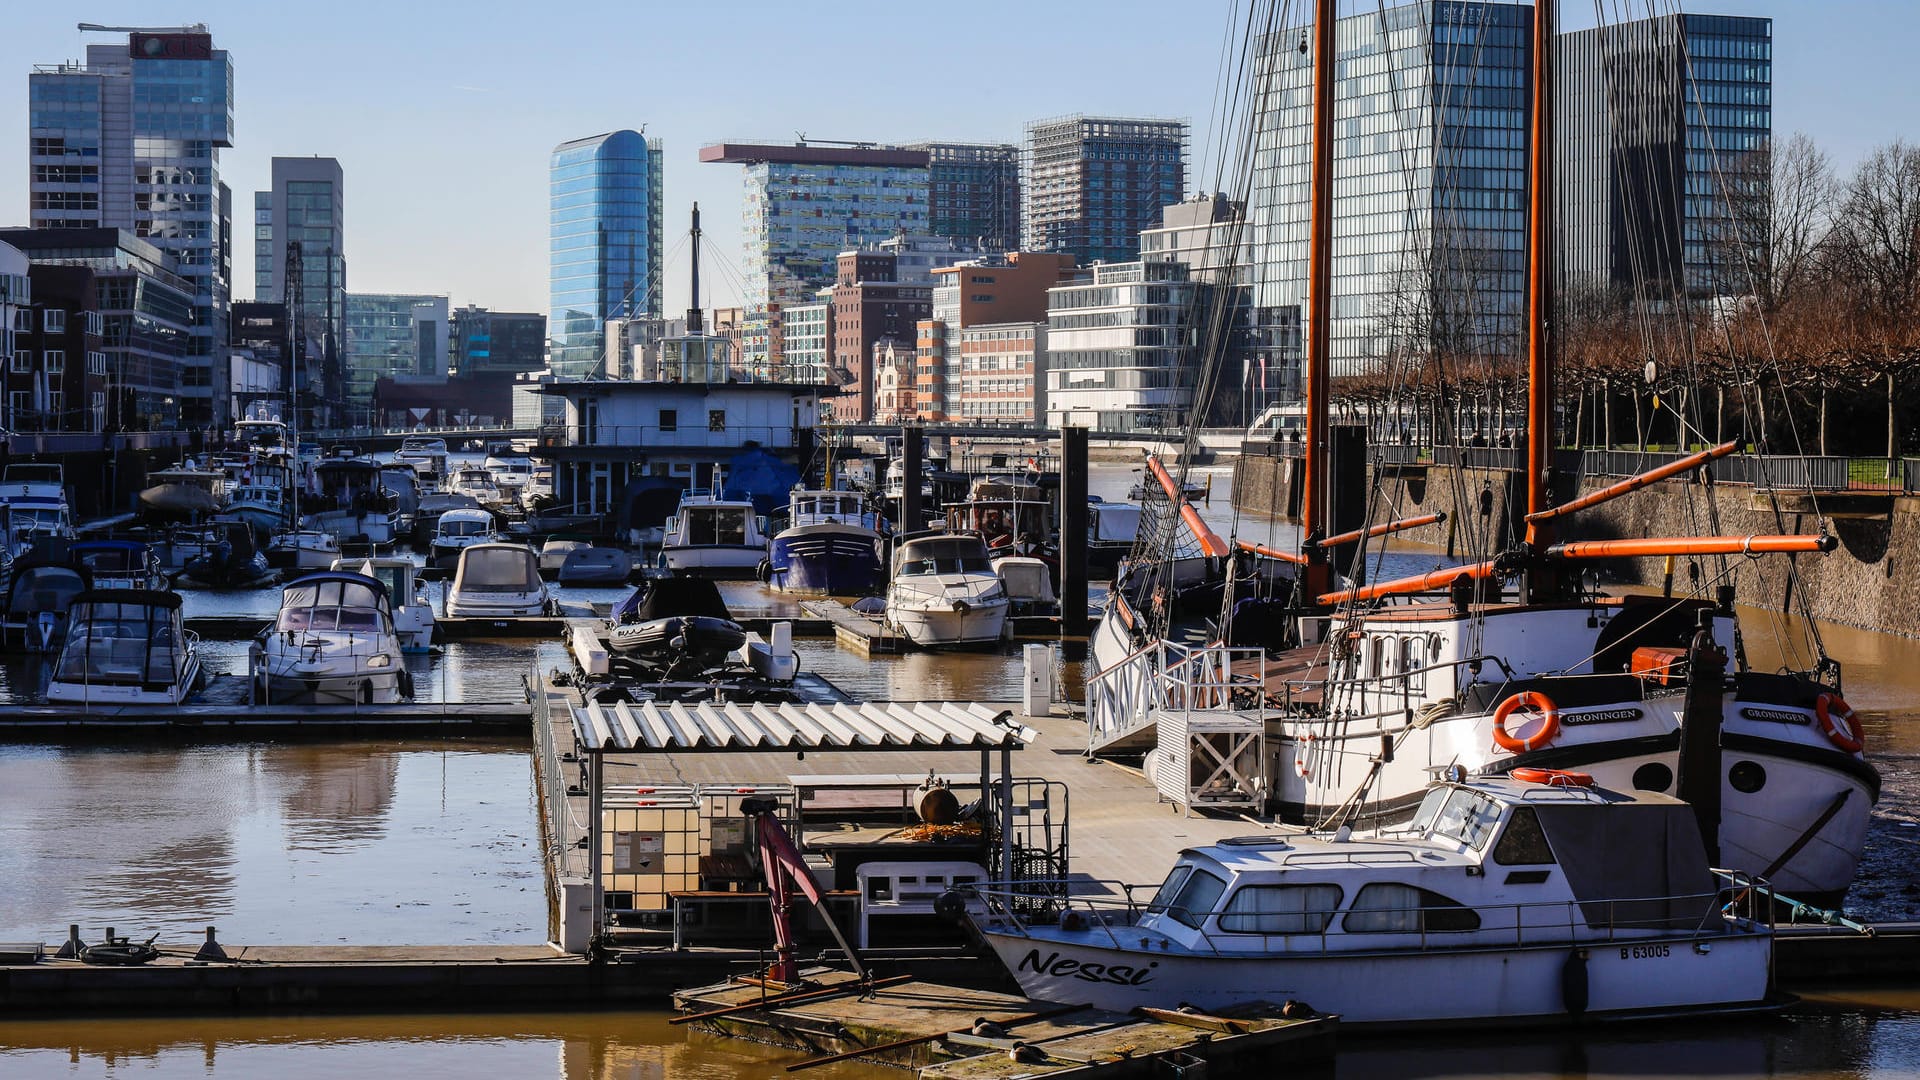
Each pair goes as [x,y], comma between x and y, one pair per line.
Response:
[1123,698]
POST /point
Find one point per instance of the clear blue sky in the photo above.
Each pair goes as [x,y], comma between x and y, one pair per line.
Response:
[442,114]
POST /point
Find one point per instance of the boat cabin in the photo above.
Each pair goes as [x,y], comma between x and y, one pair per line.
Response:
[334,600]
[124,638]
[942,553]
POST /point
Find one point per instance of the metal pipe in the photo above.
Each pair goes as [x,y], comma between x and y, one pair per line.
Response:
[1634,483]
[1271,553]
[1692,545]
[1418,583]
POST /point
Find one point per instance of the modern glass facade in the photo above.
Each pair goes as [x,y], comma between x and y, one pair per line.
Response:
[1429,202]
[605,243]
[1646,202]
[1094,182]
[799,216]
[496,342]
[307,206]
[382,339]
[131,140]
[1120,344]
[804,329]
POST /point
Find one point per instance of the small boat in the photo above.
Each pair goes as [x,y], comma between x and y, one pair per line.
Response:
[1111,530]
[119,564]
[1505,902]
[413,620]
[186,493]
[39,596]
[511,472]
[714,537]
[401,482]
[592,566]
[428,458]
[304,549]
[1029,583]
[458,530]
[1191,490]
[477,484]
[332,643]
[830,547]
[351,502]
[673,628]
[539,487]
[426,520]
[126,646]
[553,554]
[945,593]
[497,581]
[33,505]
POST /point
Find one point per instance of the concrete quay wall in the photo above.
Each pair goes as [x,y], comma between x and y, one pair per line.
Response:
[1871,581]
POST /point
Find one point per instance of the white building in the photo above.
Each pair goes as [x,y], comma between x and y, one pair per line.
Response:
[1120,346]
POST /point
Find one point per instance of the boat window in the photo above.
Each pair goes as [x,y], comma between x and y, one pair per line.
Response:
[721,525]
[1280,909]
[1468,817]
[501,569]
[1197,899]
[1389,908]
[1169,889]
[1524,843]
[1429,811]
[463,528]
[956,556]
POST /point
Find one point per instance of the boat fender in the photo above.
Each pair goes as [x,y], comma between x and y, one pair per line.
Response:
[1552,777]
[1528,699]
[1837,720]
[1301,767]
[1574,991]
[1298,1010]
[764,571]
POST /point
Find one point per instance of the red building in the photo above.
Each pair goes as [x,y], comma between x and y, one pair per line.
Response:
[869,305]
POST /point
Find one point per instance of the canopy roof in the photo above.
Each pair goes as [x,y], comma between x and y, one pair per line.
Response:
[891,725]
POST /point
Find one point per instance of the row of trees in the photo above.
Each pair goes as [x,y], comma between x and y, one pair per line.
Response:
[1804,334]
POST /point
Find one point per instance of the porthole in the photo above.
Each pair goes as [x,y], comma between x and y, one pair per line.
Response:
[1747,776]
[1653,776]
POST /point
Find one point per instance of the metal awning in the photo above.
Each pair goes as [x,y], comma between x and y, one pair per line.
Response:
[892,725]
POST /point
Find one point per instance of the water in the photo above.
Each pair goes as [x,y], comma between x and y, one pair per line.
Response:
[437,842]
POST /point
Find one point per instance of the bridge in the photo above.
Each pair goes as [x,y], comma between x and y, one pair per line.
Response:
[372,440]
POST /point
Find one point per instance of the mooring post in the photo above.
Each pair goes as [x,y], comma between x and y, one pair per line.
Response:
[911,514]
[1073,531]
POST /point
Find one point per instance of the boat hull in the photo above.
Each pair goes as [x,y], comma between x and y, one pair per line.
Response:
[726,561]
[94,693]
[946,628]
[295,686]
[825,560]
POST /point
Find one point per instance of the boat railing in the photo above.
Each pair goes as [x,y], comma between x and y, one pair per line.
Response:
[1170,676]
[1742,904]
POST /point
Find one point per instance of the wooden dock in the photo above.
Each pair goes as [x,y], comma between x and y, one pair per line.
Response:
[236,719]
[864,635]
[932,1027]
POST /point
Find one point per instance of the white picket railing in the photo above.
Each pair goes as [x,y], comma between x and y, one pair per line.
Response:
[1123,699]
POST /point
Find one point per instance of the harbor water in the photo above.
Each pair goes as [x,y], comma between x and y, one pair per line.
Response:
[437,842]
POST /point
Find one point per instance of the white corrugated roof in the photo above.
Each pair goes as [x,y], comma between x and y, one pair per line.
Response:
[889,725]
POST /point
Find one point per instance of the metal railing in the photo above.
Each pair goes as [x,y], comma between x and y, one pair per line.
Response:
[553,775]
[1166,675]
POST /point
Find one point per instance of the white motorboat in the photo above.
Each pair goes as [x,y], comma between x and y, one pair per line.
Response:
[830,547]
[332,643]
[539,486]
[126,646]
[1029,583]
[306,549]
[553,554]
[497,581]
[119,564]
[713,537]
[1505,902]
[413,620]
[351,502]
[428,458]
[945,593]
[511,473]
[477,484]
[458,530]
[33,506]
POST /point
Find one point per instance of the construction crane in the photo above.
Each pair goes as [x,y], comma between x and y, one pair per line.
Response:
[196,28]
[801,137]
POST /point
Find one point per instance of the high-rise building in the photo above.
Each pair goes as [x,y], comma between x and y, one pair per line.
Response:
[1093,182]
[805,204]
[131,140]
[973,192]
[306,207]
[490,342]
[1429,179]
[388,335]
[1121,343]
[1646,201]
[605,244]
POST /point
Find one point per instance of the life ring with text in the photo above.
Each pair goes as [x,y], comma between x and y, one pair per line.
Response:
[1552,777]
[1526,699]
[1839,723]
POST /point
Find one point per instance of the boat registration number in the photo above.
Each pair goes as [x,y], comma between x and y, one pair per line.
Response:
[1645,952]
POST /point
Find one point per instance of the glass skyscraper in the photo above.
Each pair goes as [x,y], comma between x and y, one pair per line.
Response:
[1429,200]
[605,243]
[131,140]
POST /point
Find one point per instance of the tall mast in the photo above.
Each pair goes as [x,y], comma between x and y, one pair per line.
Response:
[695,317]
[1315,504]
[1538,582]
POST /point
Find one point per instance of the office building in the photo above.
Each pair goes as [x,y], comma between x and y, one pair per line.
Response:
[1093,182]
[130,140]
[1429,201]
[1122,346]
[54,378]
[257,337]
[868,305]
[306,207]
[605,244]
[1009,289]
[1002,374]
[805,204]
[1645,202]
[803,331]
[973,192]
[489,342]
[390,335]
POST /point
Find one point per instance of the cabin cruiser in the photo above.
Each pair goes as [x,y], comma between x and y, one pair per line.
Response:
[304,549]
[265,506]
[413,620]
[457,530]
[1013,516]
[830,547]
[126,646]
[426,521]
[332,643]
[477,484]
[539,486]
[350,502]
[710,536]
[428,458]
[39,595]
[1534,899]
[497,581]
[33,505]
[119,564]
[893,489]
[594,566]
[511,473]
[945,593]
[1111,530]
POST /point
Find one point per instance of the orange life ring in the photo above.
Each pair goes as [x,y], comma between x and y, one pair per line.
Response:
[1839,723]
[1552,777]
[1300,763]
[1549,721]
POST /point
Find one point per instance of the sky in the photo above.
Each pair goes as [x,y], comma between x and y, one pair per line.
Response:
[443,113]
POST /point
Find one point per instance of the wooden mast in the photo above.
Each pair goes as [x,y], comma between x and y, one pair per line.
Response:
[1537,584]
[1315,503]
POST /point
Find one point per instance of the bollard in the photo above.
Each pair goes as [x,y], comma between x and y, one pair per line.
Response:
[211,950]
[73,947]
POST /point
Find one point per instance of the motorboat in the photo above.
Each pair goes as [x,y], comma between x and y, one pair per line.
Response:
[332,643]
[1111,530]
[673,628]
[458,530]
[428,458]
[126,646]
[511,472]
[413,620]
[426,520]
[539,489]
[1191,490]
[1014,516]
[477,484]
[944,592]
[595,566]
[1536,900]
[303,549]
[553,554]
[119,564]
[893,489]
[40,593]
[33,506]
[1029,583]
[404,484]
[187,491]
[830,547]
[711,536]
[350,502]
[265,506]
[497,581]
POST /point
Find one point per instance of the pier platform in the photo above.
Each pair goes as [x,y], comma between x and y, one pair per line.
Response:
[231,717]
[867,635]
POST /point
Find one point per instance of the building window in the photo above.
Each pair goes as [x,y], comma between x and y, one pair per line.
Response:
[716,419]
[22,362]
[56,408]
[19,406]
[56,361]
[669,419]
[56,321]
[96,363]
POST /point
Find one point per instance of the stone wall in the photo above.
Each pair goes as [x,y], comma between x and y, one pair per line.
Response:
[1871,581]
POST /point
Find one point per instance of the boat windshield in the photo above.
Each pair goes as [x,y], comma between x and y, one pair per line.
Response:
[118,643]
[293,620]
[956,556]
[45,520]
[463,528]
[1459,814]
[716,525]
[1189,895]
[326,595]
[500,569]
